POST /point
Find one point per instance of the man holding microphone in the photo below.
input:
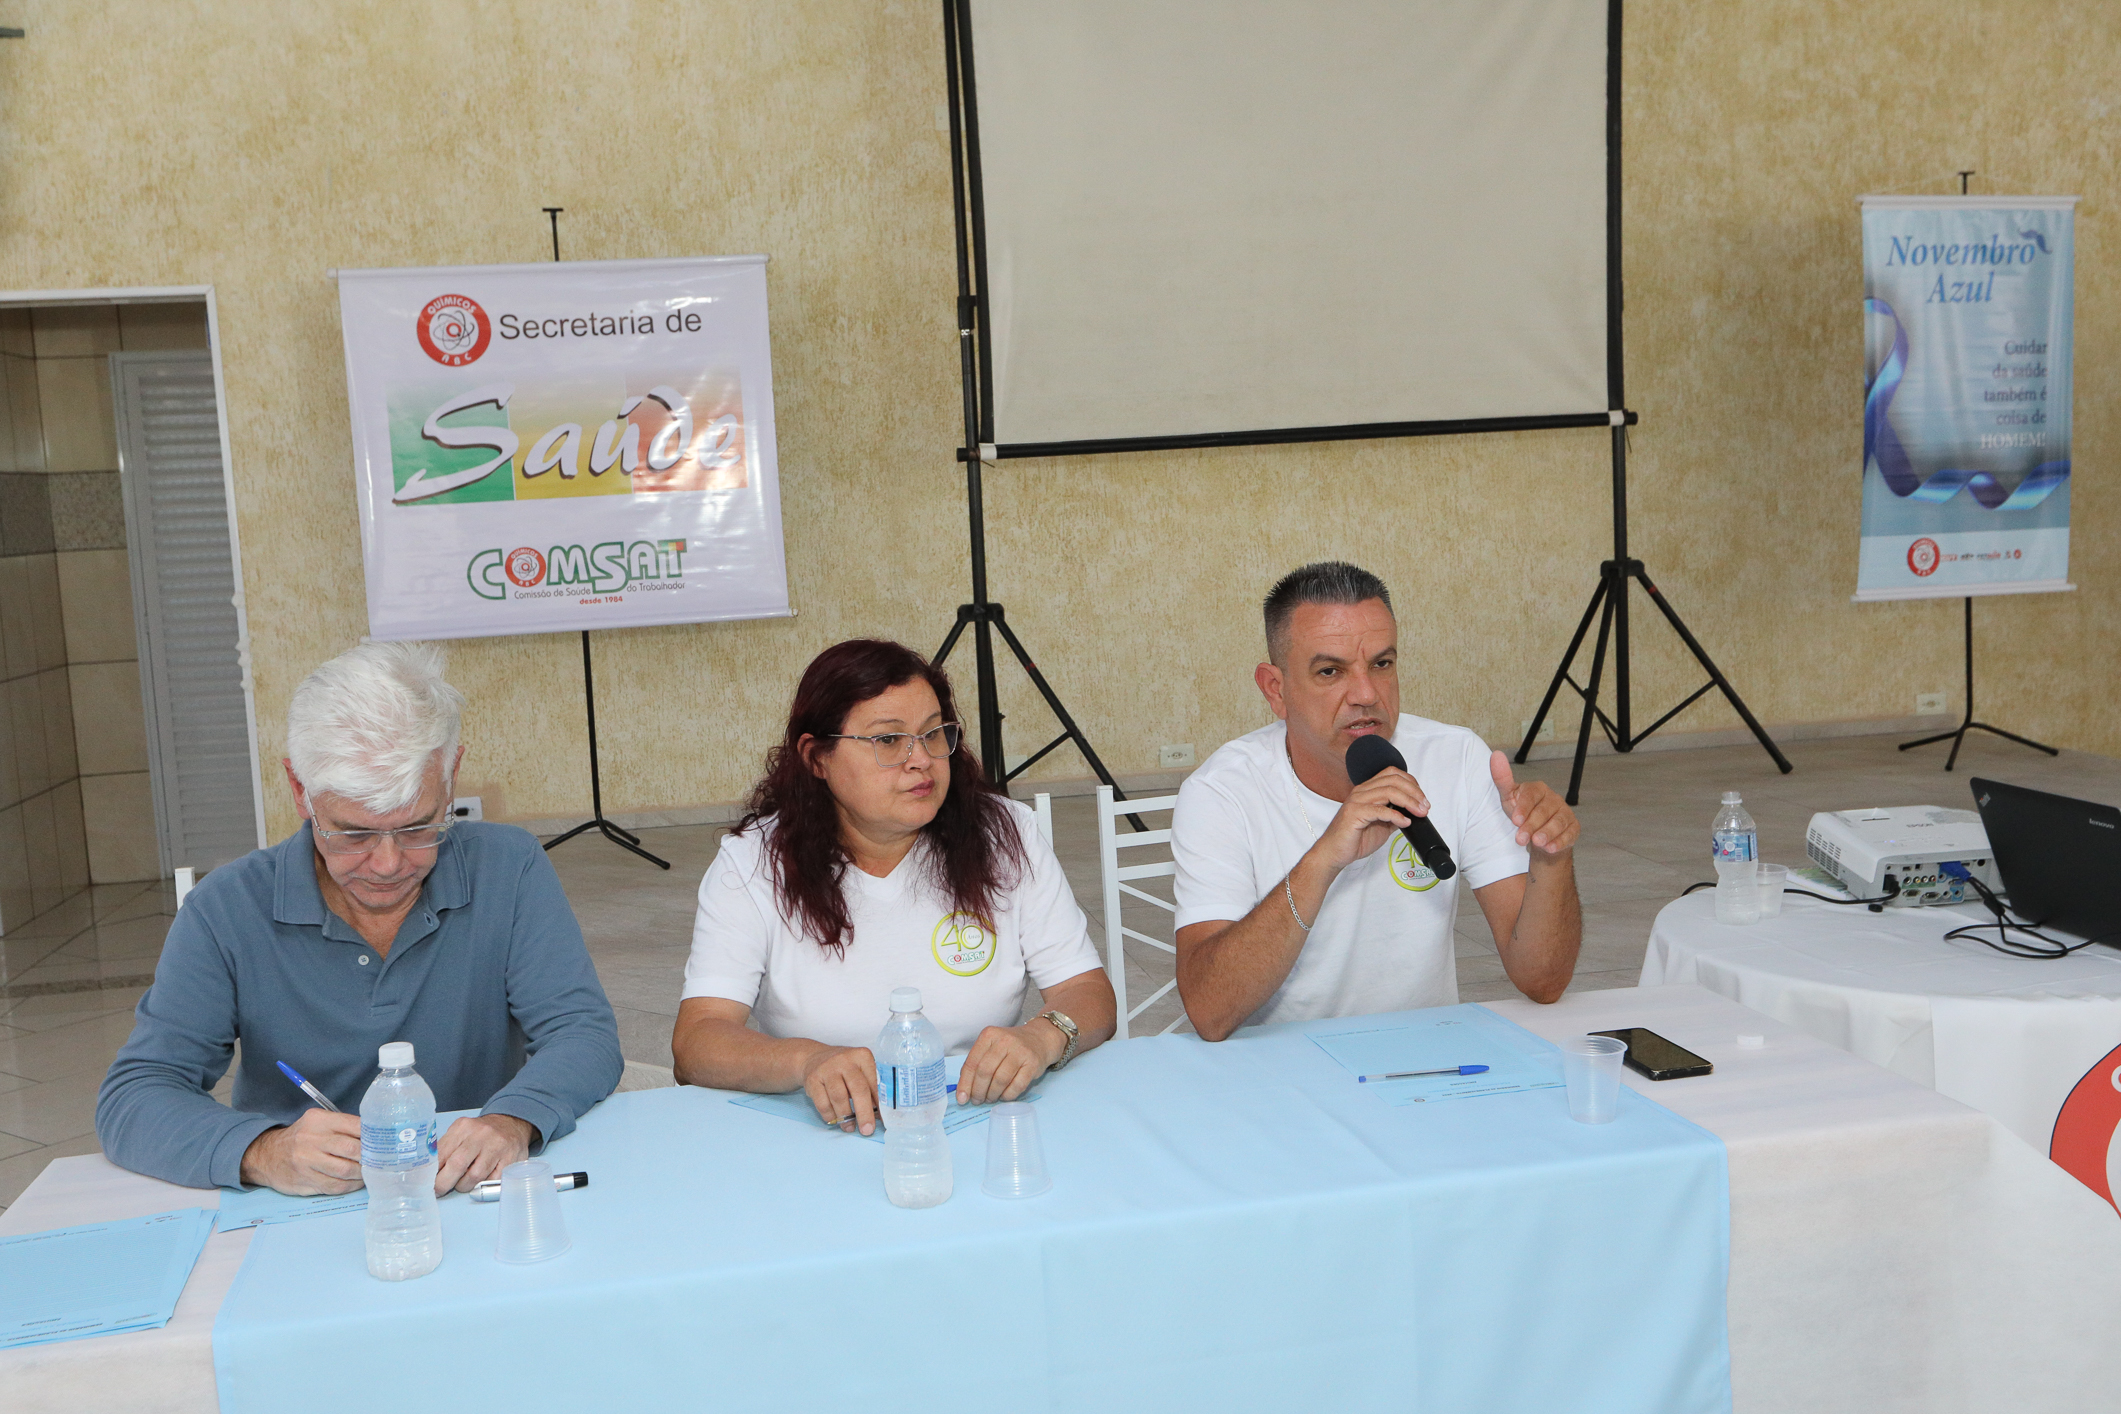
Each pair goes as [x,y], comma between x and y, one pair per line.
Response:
[1298,895]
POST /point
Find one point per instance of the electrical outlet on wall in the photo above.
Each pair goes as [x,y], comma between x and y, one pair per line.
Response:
[1930,704]
[1172,758]
[466,807]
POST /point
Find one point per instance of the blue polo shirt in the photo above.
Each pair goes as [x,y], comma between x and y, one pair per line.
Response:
[488,978]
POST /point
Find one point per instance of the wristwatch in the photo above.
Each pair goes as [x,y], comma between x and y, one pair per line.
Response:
[1067,1028]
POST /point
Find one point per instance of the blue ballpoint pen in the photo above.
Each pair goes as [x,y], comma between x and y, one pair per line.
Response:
[308,1089]
[1405,1074]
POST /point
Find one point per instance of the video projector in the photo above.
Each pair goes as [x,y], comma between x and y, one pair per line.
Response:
[1908,844]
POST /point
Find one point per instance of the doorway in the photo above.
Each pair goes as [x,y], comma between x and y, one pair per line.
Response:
[131,743]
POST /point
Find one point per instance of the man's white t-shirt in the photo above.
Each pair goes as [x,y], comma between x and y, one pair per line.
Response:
[1382,939]
[744,947]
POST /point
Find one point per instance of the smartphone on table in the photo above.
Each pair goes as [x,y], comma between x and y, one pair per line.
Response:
[1652,1055]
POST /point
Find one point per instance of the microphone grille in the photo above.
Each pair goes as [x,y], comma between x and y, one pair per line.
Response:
[1367,755]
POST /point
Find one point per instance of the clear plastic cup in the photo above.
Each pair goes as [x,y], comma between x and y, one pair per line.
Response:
[1772,879]
[1738,897]
[1016,1160]
[1591,1065]
[531,1227]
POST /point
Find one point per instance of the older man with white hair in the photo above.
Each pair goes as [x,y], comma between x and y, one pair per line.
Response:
[380,920]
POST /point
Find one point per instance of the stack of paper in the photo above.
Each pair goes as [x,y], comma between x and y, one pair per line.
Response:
[251,1207]
[1436,1039]
[93,1280]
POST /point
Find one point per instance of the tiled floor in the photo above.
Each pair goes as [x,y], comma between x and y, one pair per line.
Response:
[68,983]
[1646,822]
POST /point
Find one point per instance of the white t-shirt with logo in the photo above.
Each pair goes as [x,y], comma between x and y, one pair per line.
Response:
[745,949]
[1382,939]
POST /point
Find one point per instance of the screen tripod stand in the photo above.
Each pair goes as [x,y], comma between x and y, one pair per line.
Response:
[983,615]
[1609,605]
[1609,601]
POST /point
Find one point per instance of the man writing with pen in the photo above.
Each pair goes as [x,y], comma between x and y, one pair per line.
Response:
[379,920]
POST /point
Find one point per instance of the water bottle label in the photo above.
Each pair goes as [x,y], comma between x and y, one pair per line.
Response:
[905,1087]
[397,1146]
[1732,846]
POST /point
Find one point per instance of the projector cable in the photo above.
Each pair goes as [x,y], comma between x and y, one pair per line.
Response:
[2003,942]
[1892,891]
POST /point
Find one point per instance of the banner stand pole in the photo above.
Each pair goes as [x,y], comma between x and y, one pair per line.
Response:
[617,834]
[982,614]
[1958,737]
[1611,595]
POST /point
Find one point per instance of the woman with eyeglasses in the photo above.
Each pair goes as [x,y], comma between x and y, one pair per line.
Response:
[875,855]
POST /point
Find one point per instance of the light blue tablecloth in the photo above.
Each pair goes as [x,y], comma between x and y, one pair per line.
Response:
[1232,1227]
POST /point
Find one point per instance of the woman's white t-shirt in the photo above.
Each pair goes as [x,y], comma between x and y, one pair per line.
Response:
[746,949]
[1382,938]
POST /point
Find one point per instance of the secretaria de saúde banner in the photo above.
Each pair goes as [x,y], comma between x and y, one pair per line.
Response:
[545,448]
[1966,413]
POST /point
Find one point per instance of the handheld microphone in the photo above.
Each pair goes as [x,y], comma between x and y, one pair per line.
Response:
[1373,753]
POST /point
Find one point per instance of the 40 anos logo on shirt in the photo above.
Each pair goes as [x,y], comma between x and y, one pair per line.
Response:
[1407,871]
[963,945]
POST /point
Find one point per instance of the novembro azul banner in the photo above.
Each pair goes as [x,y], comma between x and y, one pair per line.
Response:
[1966,412]
[544,448]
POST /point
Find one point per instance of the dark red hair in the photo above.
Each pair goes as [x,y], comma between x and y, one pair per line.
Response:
[975,851]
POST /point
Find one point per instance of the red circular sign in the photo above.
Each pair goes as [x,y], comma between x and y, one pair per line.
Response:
[454,330]
[2084,1128]
[1923,556]
[524,567]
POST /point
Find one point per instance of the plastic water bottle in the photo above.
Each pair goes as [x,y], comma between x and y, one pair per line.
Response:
[909,1091]
[398,1165]
[1734,839]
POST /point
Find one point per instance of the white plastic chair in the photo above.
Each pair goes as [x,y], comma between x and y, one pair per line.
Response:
[185,879]
[1116,880]
[1042,806]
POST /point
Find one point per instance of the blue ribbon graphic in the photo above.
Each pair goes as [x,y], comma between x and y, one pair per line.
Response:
[1882,445]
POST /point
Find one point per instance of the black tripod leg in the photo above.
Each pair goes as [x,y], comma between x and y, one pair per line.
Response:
[1701,656]
[2013,736]
[1590,700]
[624,841]
[562,839]
[1060,712]
[1561,674]
[964,616]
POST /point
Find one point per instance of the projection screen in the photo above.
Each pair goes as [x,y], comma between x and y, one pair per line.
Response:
[1209,218]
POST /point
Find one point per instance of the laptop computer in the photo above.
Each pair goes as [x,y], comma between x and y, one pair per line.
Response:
[2059,859]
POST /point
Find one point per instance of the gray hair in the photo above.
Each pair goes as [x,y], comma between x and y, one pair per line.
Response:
[364,726]
[1327,582]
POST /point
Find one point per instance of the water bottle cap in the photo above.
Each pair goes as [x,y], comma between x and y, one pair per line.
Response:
[1731,797]
[394,1055]
[906,999]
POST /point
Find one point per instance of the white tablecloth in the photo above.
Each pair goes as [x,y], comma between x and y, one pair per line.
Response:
[2009,1036]
[1891,1250]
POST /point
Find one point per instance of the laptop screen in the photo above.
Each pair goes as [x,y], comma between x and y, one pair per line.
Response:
[2059,858]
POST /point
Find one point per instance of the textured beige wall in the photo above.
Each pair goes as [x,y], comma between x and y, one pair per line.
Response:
[251,147]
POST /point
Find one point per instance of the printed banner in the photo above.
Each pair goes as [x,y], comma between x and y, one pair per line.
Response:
[1966,413]
[545,448]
